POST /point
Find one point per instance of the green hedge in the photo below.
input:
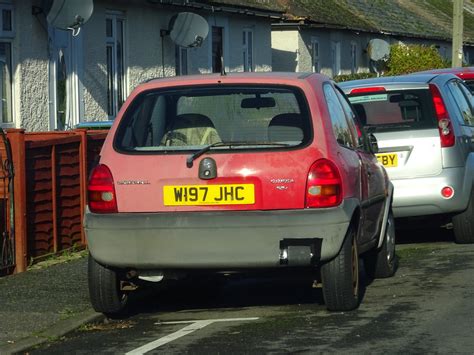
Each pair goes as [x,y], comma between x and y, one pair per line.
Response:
[347,77]
[405,59]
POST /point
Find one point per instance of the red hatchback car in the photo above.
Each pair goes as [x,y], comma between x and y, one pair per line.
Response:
[237,173]
[465,73]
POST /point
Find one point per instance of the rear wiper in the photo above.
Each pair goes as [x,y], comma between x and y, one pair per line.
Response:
[190,159]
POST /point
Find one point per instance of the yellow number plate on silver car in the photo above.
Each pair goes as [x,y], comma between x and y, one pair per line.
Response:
[200,195]
[388,160]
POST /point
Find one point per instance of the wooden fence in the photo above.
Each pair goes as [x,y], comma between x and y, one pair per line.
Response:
[50,185]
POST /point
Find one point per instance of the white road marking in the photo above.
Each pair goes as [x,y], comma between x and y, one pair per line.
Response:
[195,325]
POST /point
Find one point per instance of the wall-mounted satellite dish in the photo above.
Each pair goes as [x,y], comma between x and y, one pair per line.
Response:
[68,14]
[188,29]
[378,49]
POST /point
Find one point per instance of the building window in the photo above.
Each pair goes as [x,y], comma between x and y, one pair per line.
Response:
[315,55]
[247,42]
[353,58]
[466,57]
[61,90]
[6,79]
[443,51]
[115,27]
[6,21]
[6,82]
[181,60]
[336,58]
[217,48]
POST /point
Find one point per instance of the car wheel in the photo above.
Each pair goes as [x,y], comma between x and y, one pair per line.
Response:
[463,224]
[340,276]
[381,263]
[104,289]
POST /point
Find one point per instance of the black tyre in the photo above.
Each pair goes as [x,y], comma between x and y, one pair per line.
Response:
[463,224]
[340,277]
[104,289]
[381,263]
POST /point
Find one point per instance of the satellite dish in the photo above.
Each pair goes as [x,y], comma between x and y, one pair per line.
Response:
[378,49]
[188,29]
[69,14]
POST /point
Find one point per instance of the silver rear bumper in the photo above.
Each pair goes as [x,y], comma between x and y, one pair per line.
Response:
[422,196]
[217,240]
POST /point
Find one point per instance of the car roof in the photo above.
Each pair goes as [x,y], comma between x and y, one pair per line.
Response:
[253,77]
[387,80]
[462,72]
[411,81]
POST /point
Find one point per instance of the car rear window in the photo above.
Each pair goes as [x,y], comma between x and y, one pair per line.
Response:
[395,110]
[180,119]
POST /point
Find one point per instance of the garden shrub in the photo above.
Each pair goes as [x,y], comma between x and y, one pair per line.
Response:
[347,77]
[405,59]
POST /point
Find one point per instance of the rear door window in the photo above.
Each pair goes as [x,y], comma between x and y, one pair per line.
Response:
[470,85]
[459,94]
[350,115]
[340,126]
[255,117]
[395,110]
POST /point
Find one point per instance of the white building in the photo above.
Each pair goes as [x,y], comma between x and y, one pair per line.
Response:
[52,80]
[332,37]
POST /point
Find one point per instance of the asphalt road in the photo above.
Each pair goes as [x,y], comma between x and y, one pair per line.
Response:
[427,307]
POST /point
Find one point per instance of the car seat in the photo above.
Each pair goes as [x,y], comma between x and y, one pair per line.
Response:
[286,127]
[190,129]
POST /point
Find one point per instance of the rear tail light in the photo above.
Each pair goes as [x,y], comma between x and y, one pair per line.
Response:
[324,185]
[445,127]
[101,191]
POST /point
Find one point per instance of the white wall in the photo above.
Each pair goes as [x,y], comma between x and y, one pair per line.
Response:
[144,48]
[143,54]
[287,42]
[30,67]
[285,46]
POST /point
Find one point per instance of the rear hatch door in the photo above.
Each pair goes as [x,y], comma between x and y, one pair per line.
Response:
[403,120]
[213,148]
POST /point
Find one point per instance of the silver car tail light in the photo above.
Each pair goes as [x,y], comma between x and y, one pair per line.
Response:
[445,127]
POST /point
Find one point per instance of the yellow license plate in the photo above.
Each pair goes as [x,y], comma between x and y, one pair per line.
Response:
[389,160]
[199,195]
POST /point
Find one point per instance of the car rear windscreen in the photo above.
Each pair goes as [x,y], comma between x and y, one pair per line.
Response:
[180,119]
[395,110]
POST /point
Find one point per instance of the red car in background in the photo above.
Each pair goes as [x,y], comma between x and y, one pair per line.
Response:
[237,173]
[465,73]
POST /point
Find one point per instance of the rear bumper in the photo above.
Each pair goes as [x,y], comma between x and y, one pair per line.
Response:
[214,240]
[422,196]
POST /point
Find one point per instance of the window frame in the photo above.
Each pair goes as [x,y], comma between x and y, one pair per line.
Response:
[7,33]
[354,57]
[248,59]
[315,63]
[222,29]
[119,75]
[10,102]
[336,57]
[181,60]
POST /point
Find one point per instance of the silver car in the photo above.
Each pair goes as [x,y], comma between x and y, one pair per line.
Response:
[424,125]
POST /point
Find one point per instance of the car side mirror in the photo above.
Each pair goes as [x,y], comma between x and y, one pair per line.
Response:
[373,145]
